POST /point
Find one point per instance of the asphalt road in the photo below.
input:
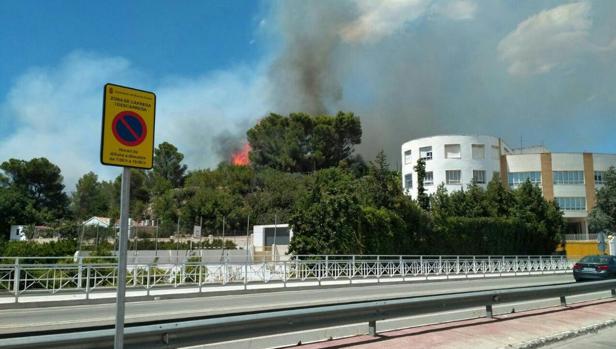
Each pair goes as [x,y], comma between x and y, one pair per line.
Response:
[13,321]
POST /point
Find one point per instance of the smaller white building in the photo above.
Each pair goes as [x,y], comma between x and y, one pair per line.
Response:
[271,234]
[18,233]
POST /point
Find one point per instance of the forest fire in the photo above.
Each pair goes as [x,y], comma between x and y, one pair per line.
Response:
[240,157]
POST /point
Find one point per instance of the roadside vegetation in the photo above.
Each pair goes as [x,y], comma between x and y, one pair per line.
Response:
[304,171]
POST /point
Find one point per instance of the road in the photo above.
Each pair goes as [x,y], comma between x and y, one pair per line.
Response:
[13,321]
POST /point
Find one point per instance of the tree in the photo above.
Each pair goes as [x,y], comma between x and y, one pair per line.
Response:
[390,222]
[340,214]
[422,197]
[41,181]
[603,215]
[500,199]
[379,182]
[139,195]
[88,199]
[212,195]
[440,202]
[15,208]
[168,164]
[274,195]
[303,143]
[326,217]
[543,218]
[494,221]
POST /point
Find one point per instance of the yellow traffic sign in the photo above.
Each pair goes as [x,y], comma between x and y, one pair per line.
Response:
[128,127]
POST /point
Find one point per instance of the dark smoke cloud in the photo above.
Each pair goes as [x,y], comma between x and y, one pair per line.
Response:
[303,76]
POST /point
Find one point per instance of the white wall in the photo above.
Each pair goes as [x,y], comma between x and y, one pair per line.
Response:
[567,162]
[524,163]
[17,233]
[439,164]
[258,236]
[602,162]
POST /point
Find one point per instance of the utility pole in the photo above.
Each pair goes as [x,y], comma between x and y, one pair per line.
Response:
[274,243]
[177,242]
[223,237]
[201,230]
[156,238]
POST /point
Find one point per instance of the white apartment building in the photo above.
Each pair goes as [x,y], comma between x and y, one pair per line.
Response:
[456,160]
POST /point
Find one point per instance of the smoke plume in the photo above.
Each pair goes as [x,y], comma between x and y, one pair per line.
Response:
[303,75]
[414,68]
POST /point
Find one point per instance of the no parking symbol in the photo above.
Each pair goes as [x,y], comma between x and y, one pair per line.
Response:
[129,128]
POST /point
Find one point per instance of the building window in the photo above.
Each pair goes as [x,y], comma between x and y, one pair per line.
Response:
[517,178]
[568,177]
[429,180]
[408,181]
[407,157]
[453,176]
[599,177]
[479,176]
[452,151]
[495,153]
[479,151]
[425,153]
[571,203]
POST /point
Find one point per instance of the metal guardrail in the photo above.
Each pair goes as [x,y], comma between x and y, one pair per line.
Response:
[29,275]
[237,326]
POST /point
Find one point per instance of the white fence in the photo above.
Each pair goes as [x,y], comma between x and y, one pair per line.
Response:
[34,275]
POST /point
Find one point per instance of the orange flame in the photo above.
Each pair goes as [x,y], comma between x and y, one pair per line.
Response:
[240,157]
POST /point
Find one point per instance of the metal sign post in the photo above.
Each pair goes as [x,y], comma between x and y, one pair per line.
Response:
[124,212]
[127,140]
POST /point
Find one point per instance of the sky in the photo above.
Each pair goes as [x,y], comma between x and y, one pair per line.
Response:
[532,72]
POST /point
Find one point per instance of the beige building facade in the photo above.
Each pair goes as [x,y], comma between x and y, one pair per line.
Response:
[570,179]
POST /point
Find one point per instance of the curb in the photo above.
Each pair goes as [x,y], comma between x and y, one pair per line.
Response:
[559,337]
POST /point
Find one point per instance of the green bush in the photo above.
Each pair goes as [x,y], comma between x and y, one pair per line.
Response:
[487,235]
[60,248]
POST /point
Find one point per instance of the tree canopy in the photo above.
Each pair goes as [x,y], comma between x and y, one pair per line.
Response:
[40,182]
[304,143]
[422,196]
[496,220]
[168,164]
[343,214]
[603,215]
[304,172]
[90,198]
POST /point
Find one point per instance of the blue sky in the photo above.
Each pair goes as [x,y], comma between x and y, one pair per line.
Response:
[538,70]
[160,37]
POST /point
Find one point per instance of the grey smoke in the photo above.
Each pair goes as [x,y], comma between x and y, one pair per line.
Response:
[303,76]
[435,74]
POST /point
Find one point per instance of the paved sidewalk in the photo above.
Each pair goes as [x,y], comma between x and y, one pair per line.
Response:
[517,330]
